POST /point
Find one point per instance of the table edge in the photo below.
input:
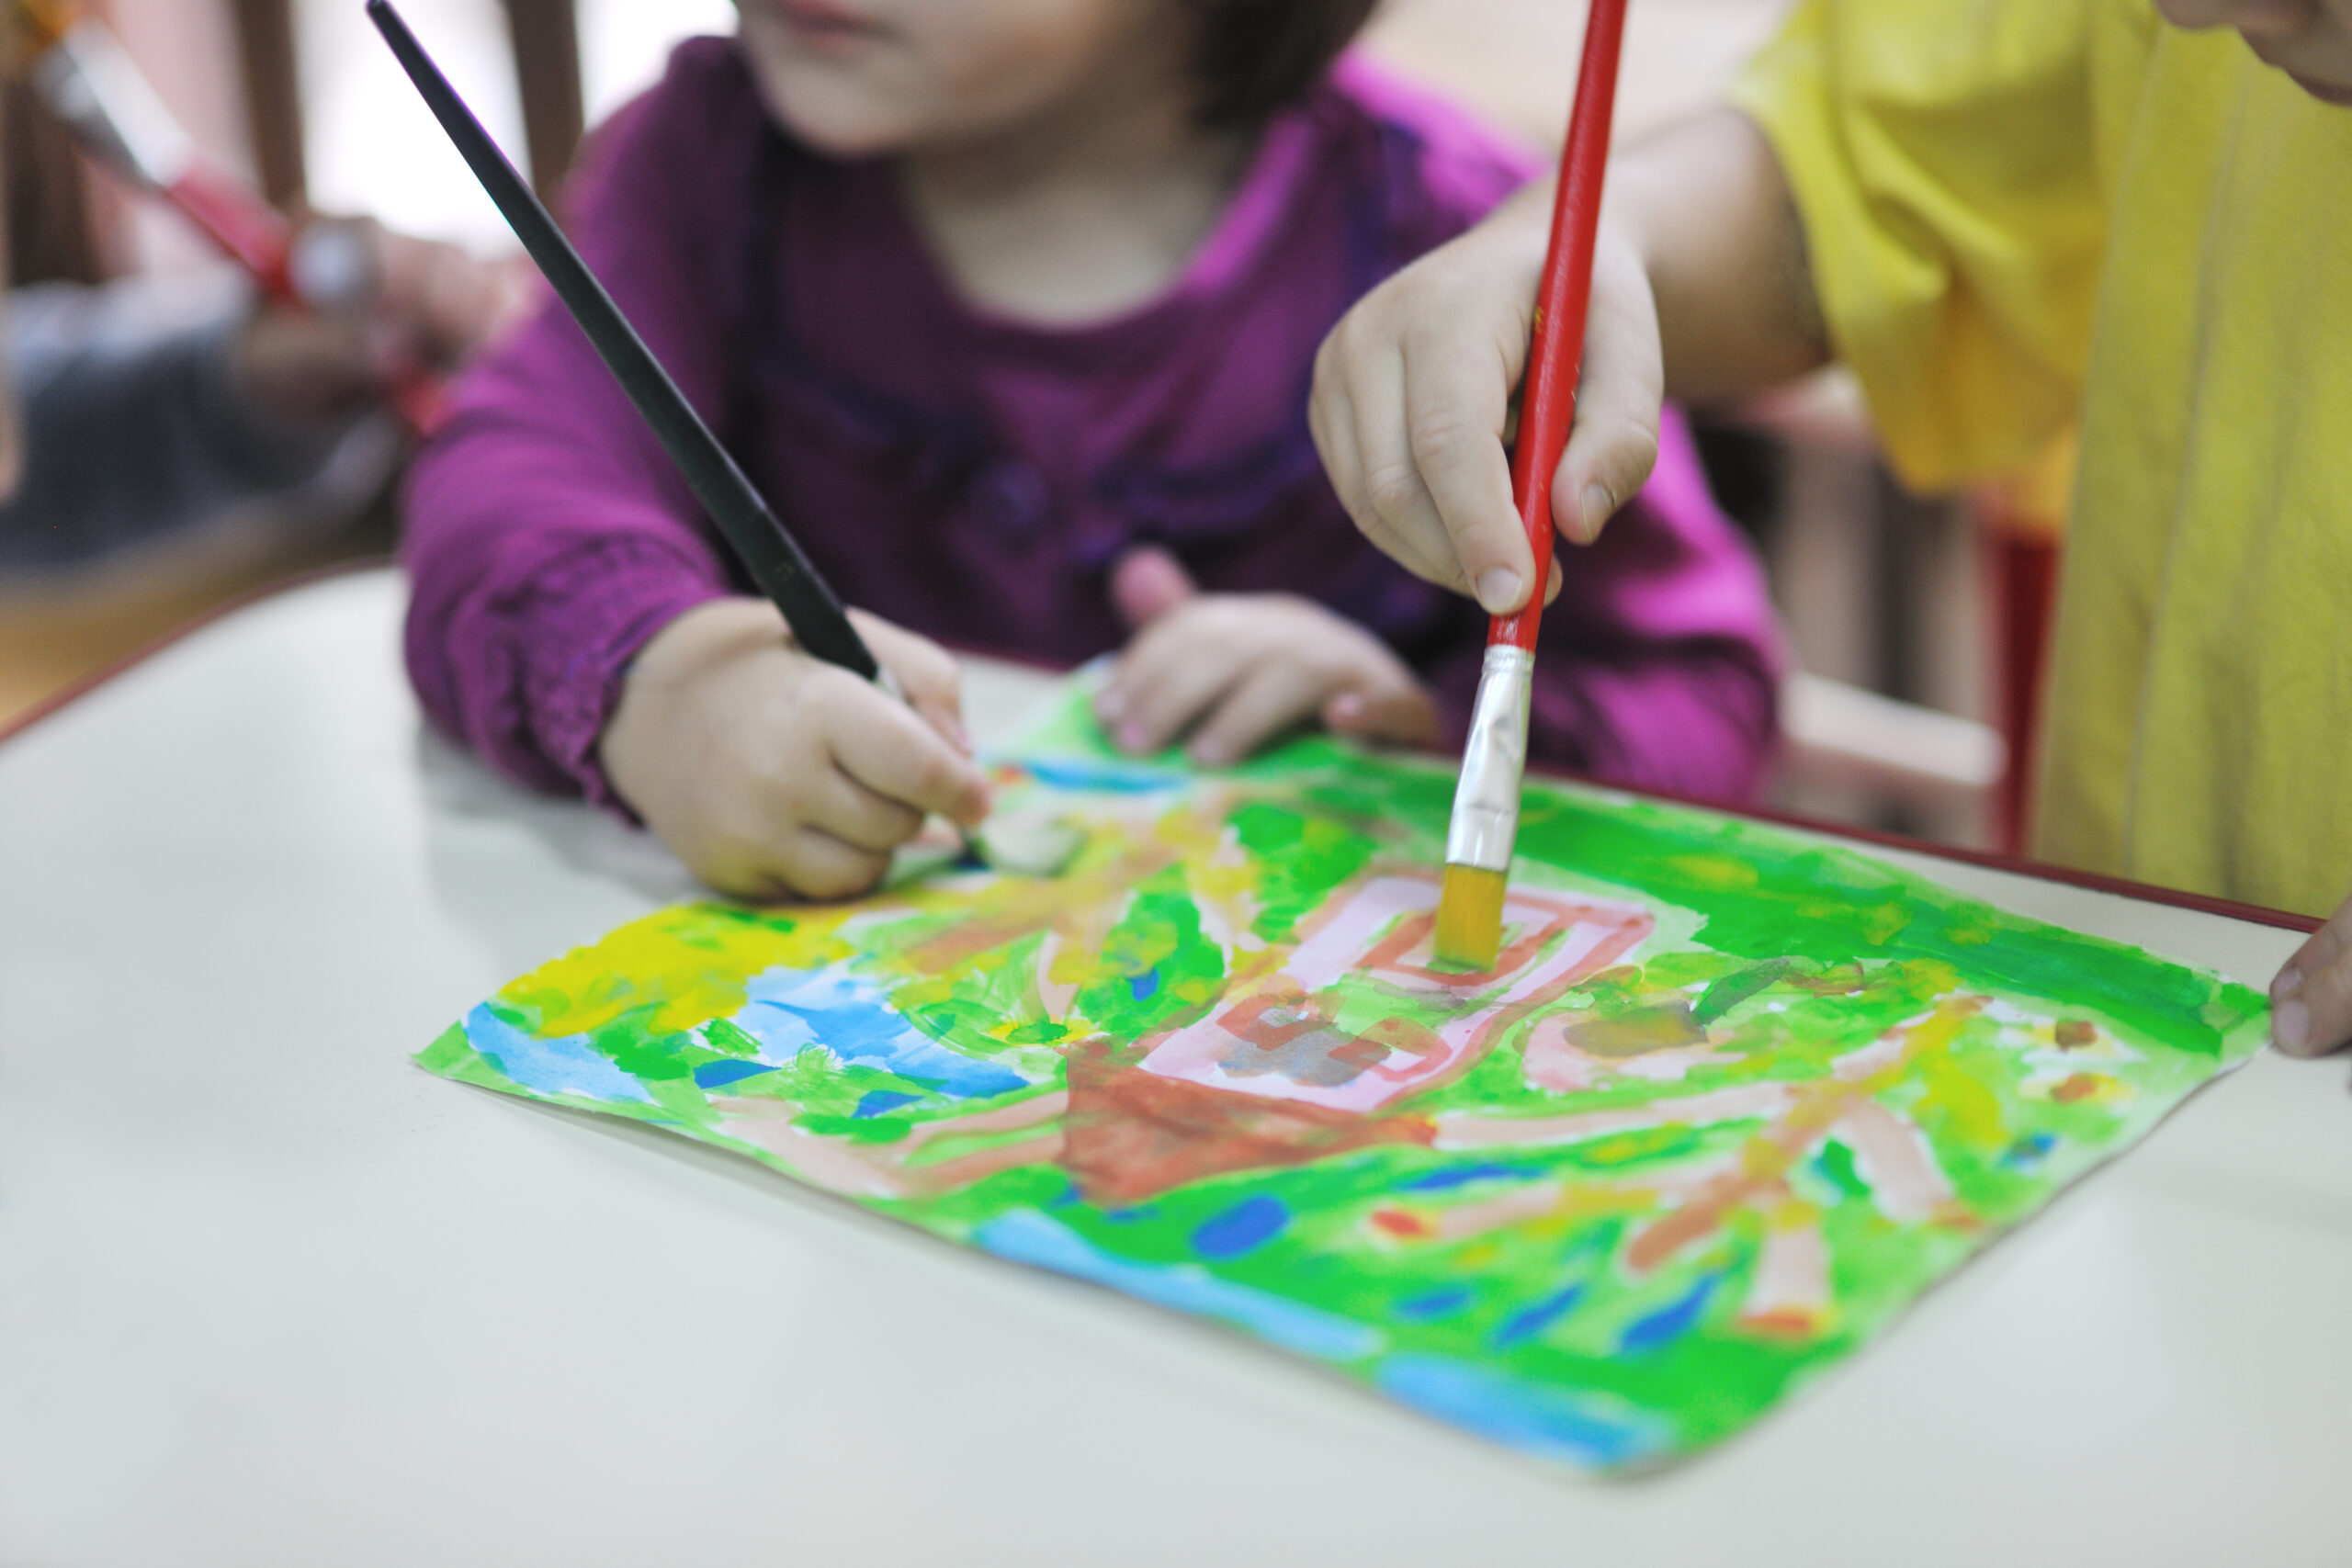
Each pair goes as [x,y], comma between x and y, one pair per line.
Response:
[67,695]
[1988,860]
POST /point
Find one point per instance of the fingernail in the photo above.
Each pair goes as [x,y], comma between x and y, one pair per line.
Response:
[1598,504]
[1208,754]
[2289,983]
[1346,709]
[1132,738]
[1499,590]
[1109,702]
[2291,1028]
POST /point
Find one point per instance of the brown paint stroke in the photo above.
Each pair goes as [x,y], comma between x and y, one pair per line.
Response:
[1131,1135]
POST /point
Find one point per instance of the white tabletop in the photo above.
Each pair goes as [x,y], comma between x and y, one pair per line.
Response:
[270,1293]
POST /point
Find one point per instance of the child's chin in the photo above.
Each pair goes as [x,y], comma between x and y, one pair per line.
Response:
[840,125]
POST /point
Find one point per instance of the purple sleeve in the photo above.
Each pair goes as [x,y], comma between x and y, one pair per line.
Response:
[1659,664]
[547,536]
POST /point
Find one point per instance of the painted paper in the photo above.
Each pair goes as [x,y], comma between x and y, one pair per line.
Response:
[1729,1101]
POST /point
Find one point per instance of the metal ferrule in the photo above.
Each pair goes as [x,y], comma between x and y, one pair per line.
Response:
[1486,803]
[93,86]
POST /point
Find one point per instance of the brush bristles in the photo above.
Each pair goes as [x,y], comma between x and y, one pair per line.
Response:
[1470,918]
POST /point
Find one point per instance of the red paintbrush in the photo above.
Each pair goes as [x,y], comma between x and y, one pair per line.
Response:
[1486,804]
[83,73]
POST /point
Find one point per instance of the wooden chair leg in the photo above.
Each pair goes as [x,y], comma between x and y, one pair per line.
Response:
[546,36]
[272,97]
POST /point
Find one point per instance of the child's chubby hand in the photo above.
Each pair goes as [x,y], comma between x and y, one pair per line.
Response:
[1236,671]
[1414,404]
[772,774]
[2310,1001]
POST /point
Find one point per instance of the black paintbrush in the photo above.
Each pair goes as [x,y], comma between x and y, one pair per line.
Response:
[1036,848]
[768,552]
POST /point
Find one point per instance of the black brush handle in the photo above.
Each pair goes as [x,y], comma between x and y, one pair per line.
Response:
[768,552]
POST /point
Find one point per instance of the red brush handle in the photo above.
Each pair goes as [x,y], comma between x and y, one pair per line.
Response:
[260,241]
[1549,404]
[241,223]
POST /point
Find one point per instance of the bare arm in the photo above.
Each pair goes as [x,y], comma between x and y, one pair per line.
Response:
[1706,206]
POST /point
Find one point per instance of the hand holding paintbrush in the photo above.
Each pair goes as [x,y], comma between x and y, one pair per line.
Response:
[1486,804]
[734,689]
[349,311]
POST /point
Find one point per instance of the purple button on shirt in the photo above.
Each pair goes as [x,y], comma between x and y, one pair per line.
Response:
[974,477]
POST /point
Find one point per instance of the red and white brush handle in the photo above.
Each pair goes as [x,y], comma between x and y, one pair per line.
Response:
[101,95]
[1484,823]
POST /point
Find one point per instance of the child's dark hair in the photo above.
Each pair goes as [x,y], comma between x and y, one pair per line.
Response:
[1258,56]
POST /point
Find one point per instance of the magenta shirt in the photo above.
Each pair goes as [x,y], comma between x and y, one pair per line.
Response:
[974,477]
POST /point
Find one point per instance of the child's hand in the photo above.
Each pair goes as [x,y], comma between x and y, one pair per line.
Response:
[1238,669]
[376,306]
[1413,394]
[2311,1001]
[770,773]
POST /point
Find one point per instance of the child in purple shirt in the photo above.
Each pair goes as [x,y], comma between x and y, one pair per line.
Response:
[1011,309]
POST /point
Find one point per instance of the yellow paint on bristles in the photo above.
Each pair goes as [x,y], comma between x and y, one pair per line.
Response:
[1470,918]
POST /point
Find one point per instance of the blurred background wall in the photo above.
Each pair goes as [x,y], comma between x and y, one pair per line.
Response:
[1903,611]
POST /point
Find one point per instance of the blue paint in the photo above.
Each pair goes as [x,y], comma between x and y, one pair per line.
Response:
[718,1074]
[1140,986]
[1027,1237]
[1248,1225]
[2028,1152]
[1103,778]
[1552,1423]
[1435,1304]
[1462,1176]
[881,1102]
[1669,1323]
[567,1064]
[1531,1320]
[788,1010]
[1130,1217]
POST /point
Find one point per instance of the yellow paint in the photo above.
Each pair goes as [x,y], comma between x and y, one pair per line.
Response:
[1470,918]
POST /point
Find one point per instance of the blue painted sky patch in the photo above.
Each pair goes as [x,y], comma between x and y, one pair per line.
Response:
[1244,1227]
[1026,1236]
[787,1011]
[566,1064]
[1553,1423]
[1101,778]
[718,1074]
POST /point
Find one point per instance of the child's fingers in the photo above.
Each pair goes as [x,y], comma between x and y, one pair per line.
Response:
[1613,445]
[1167,677]
[927,673]
[1331,418]
[820,867]
[1357,413]
[1391,490]
[1148,582]
[1397,713]
[893,752]
[2311,998]
[840,805]
[1457,391]
[1275,696]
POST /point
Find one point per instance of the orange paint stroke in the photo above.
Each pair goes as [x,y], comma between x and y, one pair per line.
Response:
[1766,1158]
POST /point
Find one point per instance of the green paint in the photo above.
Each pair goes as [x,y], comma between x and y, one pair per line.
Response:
[1773,959]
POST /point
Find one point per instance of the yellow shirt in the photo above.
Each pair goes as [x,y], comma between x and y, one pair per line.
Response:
[2022,213]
